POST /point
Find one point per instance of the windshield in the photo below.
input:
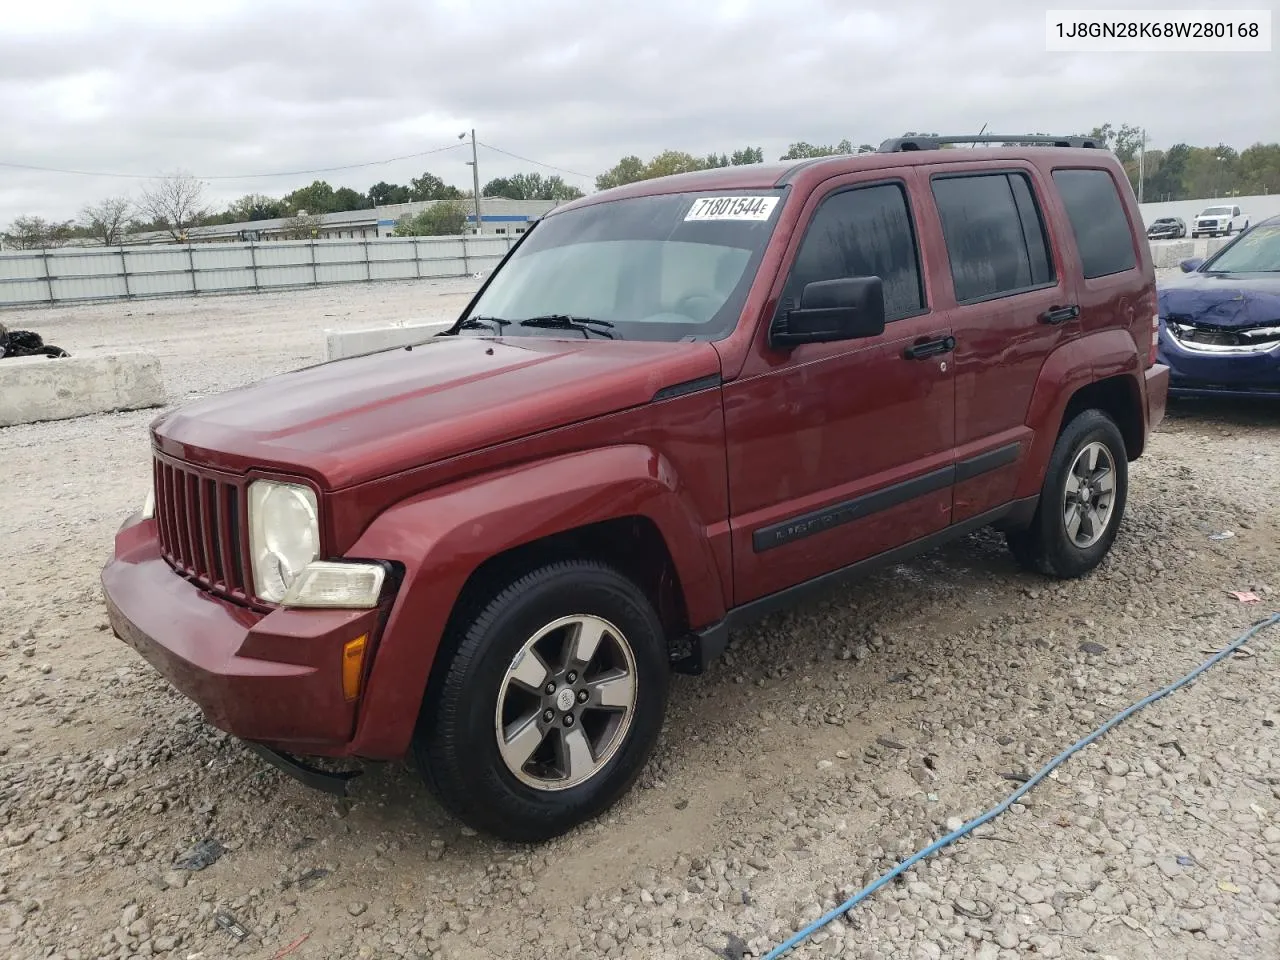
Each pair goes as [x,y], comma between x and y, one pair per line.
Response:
[670,267]
[1257,251]
[1217,212]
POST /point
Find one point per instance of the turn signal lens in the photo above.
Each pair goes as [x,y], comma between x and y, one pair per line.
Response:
[1155,340]
[353,666]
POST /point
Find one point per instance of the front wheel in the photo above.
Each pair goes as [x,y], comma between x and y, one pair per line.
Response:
[1081,503]
[552,701]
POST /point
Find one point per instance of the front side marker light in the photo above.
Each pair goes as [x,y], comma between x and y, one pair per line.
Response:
[149,505]
[353,666]
[344,586]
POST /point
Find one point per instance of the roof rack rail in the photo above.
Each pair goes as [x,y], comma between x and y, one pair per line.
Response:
[901,144]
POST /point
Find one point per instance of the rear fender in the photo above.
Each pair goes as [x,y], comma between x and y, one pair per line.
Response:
[1067,370]
[442,536]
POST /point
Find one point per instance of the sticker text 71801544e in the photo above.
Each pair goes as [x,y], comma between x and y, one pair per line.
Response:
[732,208]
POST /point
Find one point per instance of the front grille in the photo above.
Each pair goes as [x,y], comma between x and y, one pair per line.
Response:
[199,517]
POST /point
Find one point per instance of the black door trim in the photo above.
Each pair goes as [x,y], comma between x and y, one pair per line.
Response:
[819,521]
[846,511]
[986,462]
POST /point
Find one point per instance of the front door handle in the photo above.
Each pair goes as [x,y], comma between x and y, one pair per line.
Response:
[930,348]
[1056,315]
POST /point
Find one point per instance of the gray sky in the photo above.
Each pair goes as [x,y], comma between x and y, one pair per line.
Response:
[247,86]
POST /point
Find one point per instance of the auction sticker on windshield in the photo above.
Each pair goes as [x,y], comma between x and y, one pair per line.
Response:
[731,208]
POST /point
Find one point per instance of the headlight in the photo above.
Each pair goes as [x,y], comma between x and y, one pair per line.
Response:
[284,535]
[149,505]
[349,586]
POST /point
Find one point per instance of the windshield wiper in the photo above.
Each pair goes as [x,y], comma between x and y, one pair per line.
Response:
[476,323]
[564,321]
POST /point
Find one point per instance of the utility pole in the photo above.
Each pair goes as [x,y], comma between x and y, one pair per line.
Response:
[475,177]
[1142,159]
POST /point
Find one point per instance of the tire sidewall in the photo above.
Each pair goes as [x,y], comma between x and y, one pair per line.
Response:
[1068,559]
[502,803]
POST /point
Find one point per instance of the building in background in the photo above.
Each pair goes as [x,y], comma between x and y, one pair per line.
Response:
[498,215]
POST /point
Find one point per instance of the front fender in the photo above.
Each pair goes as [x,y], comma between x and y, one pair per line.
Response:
[1066,370]
[442,536]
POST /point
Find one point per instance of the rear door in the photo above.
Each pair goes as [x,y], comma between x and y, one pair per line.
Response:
[1009,303]
[839,451]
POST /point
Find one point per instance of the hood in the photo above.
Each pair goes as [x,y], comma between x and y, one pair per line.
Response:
[1234,300]
[359,419]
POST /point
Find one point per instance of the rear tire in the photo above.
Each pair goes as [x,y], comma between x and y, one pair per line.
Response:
[1081,503]
[522,739]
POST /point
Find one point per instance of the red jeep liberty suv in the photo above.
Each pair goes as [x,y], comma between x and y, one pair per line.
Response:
[672,408]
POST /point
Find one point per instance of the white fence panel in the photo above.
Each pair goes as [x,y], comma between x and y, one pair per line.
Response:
[222,281]
[16,293]
[66,275]
[82,263]
[20,266]
[286,276]
[87,288]
[341,272]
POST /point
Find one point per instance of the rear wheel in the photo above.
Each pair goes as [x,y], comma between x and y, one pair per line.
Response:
[1081,503]
[550,704]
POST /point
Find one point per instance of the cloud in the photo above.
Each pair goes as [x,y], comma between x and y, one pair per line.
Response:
[146,86]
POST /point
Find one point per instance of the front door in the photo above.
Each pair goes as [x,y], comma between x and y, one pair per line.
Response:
[839,451]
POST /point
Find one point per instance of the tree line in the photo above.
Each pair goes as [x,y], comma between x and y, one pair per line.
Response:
[176,203]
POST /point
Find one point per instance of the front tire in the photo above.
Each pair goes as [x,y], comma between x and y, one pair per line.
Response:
[551,702]
[1081,503]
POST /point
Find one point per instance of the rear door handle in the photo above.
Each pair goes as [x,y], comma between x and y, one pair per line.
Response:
[1056,315]
[930,348]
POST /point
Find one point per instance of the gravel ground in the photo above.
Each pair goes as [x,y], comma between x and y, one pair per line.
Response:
[827,745]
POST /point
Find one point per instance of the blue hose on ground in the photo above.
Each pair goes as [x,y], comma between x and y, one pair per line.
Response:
[801,935]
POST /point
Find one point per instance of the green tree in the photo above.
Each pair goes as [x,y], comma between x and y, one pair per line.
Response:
[344,198]
[430,187]
[317,198]
[802,150]
[445,218]
[383,193]
[254,206]
[630,169]
[746,155]
[531,186]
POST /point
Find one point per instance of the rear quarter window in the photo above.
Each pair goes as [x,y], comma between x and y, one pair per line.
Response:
[1098,221]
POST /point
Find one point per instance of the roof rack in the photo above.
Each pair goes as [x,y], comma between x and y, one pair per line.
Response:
[901,144]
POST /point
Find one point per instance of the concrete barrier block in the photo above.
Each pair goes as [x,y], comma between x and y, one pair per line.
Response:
[340,344]
[1213,244]
[35,389]
[1169,253]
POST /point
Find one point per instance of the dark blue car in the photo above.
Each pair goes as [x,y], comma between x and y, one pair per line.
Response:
[1220,324]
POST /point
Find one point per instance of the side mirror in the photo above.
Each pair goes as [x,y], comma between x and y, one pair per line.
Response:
[1190,266]
[845,309]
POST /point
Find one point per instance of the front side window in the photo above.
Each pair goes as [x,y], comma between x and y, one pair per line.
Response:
[862,232]
[1098,221]
[994,233]
[667,267]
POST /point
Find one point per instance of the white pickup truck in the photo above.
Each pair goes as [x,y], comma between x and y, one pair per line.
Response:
[1219,221]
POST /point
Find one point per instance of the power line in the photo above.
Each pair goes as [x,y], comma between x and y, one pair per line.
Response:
[240,176]
[539,163]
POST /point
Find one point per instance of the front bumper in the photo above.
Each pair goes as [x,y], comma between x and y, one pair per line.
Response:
[273,678]
[1196,373]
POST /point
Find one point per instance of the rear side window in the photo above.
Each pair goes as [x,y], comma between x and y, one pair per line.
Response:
[863,232]
[1097,219]
[995,236]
